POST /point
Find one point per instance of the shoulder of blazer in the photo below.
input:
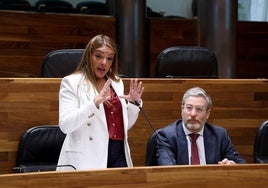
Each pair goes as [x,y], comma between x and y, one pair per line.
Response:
[214,129]
[74,78]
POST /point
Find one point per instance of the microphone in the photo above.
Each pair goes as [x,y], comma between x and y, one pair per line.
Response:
[145,116]
[38,168]
[67,166]
[154,130]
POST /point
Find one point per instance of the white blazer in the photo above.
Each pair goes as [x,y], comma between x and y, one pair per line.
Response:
[86,142]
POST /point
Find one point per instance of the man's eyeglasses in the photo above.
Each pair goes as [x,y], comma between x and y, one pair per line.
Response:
[189,108]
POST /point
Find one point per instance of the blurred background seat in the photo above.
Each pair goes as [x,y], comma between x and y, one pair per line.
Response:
[60,63]
[56,6]
[15,5]
[151,159]
[187,62]
[92,7]
[260,153]
[151,13]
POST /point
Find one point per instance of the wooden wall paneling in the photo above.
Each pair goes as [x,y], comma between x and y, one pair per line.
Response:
[239,105]
[26,37]
[24,104]
[170,32]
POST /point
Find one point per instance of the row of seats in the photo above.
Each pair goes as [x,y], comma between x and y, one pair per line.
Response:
[58,6]
[62,6]
[173,62]
[40,146]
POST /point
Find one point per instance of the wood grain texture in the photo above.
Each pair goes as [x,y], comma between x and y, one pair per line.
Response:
[210,176]
[165,33]
[239,105]
[27,37]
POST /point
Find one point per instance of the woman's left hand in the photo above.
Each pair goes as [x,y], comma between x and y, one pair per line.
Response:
[135,91]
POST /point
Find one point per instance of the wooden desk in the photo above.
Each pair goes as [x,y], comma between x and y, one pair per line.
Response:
[210,176]
[240,105]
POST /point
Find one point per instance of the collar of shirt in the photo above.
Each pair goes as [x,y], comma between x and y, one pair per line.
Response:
[200,144]
[187,132]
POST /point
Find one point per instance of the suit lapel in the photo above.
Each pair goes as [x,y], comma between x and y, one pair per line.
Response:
[182,147]
[209,143]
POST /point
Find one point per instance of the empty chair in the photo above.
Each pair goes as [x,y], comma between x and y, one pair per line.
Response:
[57,6]
[60,63]
[15,5]
[151,159]
[39,149]
[92,7]
[187,62]
[260,153]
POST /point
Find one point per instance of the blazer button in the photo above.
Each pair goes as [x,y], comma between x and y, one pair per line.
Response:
[90,138]
[88,124]
[91,115]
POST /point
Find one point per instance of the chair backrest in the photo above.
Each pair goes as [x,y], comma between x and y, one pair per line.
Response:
[92,7]
[57,6]
[60,63]
[187,62]
[39,149]
[15,5]
[151,13]
[260,151]
[151,159]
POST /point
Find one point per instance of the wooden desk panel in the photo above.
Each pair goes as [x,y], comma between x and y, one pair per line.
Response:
[240,106]
[210,176]
[27,37]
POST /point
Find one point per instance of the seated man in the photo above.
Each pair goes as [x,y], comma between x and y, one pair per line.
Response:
[175,145]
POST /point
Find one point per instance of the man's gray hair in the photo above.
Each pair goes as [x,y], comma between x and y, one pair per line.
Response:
[197,92]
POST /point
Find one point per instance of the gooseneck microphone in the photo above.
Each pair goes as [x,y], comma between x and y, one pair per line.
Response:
[38,168]
[145,116]
[154,130]
[71,166]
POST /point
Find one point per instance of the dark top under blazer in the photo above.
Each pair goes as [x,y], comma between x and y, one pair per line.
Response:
[172,146]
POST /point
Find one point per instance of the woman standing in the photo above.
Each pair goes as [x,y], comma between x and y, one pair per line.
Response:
[94,113]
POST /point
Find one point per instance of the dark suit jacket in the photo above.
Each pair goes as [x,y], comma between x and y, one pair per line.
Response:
[171,148]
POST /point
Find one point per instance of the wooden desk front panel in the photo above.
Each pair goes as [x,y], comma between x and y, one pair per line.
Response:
[239,106]
[210,176]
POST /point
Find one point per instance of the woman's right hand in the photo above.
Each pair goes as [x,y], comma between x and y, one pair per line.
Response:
[104,95]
